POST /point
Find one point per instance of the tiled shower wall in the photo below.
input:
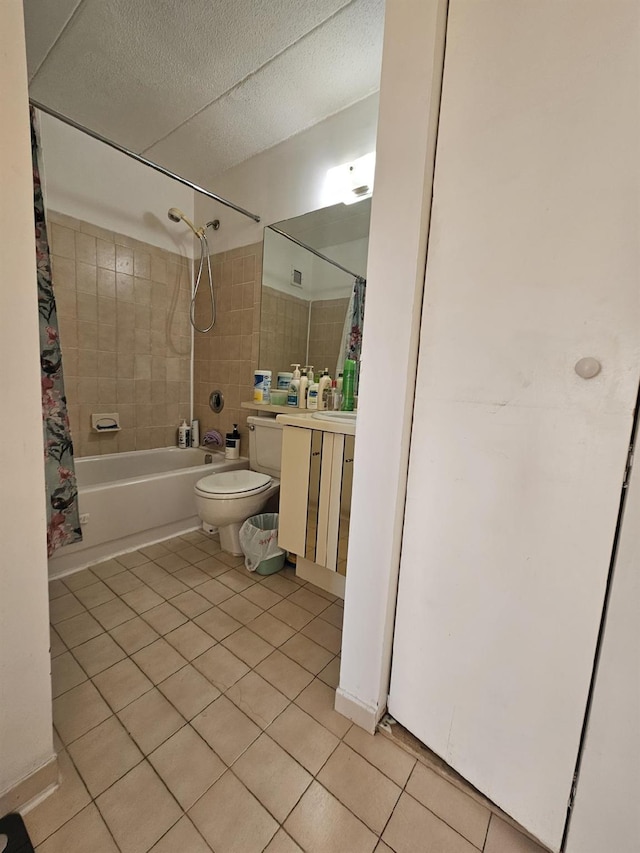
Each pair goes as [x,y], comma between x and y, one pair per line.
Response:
[226,357]
[284,326]
[325,333]
[124,327]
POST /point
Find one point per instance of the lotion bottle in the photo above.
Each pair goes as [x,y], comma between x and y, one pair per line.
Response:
[304,385]
[313,397]
[293,397]
[310,374]
[183,434]
[324,390]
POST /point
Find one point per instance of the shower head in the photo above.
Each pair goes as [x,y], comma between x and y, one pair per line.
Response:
[175,215]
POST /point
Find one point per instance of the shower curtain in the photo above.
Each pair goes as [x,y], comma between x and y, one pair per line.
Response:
[352,332]
[63,520]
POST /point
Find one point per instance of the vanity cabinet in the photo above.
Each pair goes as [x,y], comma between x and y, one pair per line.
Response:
[315,496]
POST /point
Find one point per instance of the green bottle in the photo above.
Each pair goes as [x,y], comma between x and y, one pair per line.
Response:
[348,380]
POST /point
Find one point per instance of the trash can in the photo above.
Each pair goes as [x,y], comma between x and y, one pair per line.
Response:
[259,543]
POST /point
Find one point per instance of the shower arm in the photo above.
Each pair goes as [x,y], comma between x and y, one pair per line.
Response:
[142,159]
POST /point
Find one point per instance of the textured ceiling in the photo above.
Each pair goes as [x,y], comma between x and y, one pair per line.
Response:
[202,85]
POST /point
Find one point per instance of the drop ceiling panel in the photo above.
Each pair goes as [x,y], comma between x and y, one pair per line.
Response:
[134,71]
[43,22]
[332,67]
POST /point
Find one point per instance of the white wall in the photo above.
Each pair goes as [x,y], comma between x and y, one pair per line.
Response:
[289,179]
[89,180]
[409,102]
[329,281]
[25,689]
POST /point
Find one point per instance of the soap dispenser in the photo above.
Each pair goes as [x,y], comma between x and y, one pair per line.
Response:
[293,397]
[304,385]
[310,374]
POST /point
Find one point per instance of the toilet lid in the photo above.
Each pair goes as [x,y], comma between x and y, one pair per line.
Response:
[233,482]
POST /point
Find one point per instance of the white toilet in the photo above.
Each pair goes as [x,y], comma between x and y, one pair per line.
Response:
[227,499]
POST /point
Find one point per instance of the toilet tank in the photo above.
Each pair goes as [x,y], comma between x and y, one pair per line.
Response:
[265,445]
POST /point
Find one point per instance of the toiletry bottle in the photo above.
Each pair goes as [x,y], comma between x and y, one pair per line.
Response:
[304,387]
[339,381]
[324,390]
[232,444]
[348,384]
[293,397]
[195,433]
[310,374]
[183,434]
[313,397]
[336,396]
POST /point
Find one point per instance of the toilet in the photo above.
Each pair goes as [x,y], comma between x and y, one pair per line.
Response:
[227,499]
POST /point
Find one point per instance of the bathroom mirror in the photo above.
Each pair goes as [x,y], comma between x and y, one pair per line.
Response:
[305,297]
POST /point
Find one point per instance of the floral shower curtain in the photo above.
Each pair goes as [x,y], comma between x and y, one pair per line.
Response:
[63,520]
[353,322]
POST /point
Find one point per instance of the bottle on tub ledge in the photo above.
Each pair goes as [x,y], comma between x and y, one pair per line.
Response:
[232,444]
[195,433]
[184,435]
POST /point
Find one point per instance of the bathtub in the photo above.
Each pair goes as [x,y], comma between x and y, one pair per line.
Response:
[128,500]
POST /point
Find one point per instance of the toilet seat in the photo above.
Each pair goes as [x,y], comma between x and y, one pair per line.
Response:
[233,484]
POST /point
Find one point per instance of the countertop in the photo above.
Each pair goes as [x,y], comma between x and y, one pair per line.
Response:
[305,419]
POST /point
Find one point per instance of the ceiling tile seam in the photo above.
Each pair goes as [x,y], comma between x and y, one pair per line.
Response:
[59,36]
[251,74]
[217,175]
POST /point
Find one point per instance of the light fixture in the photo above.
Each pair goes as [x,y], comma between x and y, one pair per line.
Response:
[350,182]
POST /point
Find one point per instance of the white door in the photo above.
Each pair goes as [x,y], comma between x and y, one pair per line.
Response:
[516,462]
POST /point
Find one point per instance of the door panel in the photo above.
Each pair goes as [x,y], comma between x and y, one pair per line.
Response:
[516,462]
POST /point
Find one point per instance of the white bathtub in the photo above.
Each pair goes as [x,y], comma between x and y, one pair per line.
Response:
[128,500]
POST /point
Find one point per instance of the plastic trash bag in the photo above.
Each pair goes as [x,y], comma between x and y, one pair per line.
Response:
[259,539]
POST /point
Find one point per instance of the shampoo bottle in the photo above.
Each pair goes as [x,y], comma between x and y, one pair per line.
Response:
[183,434]
[324,390]
[304,385]
[348,381]
[232,444]
[195,433]
[293,397]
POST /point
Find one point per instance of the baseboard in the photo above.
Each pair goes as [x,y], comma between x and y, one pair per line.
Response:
[320,576]
[363,715]
[32,787]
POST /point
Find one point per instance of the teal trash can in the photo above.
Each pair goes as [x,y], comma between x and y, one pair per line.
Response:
[259,542]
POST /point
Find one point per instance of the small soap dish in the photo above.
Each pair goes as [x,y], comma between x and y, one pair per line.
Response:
[105,422]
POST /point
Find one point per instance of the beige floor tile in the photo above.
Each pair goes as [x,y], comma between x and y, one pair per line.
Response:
[461,812]
[337,830]
[138,809]
[172,562]
[106,569]
[95,594]
[272,776]
[214,591]
[231,819]
[190,640]
[217,623]
[195,537]
[324,634]
[122,683]
[503,838]
[182,838]
[150,720]
[78,629]
[65,674]
[77,580]
[318,591]
[288,676]
[279,585]
[282,843]
[64,607]
[334,615]
[240,609]
[132,559]
[164,618]
[331,673]
[210,547]
[56,646]
[382,753]
[237,579]
[192,554]
[259,595]
[98,654]
[309,600]
[360,787]
[212,567]
[150,573]
[57,589]
[271,629]
[191,603]
[159,660]
[113,613]
[191,576]
[226,729]
[258,699]
[412,826]
[133,635]
[67,800]
[289,572]
[248,646]
[104,755]
[307,653]
[189,691]
[221,667]
[303,738]
[142,599]
[79,710]
[152,552]
[86,831]
[173,545]
[292,615]
[123,582]
[382,848]
[187,765]
[230,559]
[318,700]
[169,587]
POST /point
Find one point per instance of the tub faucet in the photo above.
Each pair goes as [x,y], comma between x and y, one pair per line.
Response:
[208,458]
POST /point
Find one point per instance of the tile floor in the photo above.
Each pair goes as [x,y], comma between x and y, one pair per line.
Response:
[193,712]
